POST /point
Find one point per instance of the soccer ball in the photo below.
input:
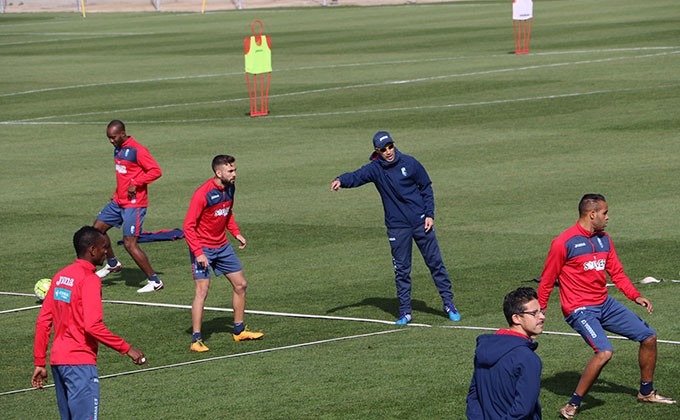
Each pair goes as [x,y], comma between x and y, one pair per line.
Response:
[41,287]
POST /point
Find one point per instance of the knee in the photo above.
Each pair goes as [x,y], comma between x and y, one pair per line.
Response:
[605,355]
[201,293]
[130,243]
[240,287]
[651,341]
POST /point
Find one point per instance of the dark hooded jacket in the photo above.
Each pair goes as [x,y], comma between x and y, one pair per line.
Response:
[507,378]
[404,187]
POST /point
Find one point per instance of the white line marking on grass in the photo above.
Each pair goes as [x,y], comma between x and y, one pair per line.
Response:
[2,44]
[229,356]
[615,337]
[338,318]
[364,85]
[20,309]
[248,311]
[330,66]
[124,82]
[367,111]
[74,33]
[16,294]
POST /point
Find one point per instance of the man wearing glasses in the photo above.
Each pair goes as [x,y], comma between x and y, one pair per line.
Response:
[408,201]
[578,259]
[507,377]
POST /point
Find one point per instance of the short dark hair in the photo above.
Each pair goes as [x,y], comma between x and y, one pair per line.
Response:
[86,237]
[220,160]
[116,123]
[515,301]
[590,202]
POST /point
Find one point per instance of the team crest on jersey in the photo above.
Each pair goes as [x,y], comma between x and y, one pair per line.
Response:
[403,171]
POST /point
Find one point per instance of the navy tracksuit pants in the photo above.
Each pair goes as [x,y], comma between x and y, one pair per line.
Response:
[401,242]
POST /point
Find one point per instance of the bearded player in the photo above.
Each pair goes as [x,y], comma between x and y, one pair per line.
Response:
[210,215]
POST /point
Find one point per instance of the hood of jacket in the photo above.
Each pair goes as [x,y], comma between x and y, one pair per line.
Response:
[492,347]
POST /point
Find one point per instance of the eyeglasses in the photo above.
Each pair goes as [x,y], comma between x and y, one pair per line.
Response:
[387,147]
[532,313]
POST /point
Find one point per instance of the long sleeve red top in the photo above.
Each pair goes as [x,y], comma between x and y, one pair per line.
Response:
[579,258]
[134,165]
[73,307]
[210,215]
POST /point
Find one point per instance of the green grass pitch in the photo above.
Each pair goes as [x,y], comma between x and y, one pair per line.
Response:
[511,143]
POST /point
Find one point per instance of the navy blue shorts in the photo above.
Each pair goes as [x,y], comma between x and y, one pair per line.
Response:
[592,321]
[77,389]
[131,218]
[223,260]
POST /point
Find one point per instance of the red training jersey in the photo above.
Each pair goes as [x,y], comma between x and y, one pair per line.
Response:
[210,215]
[73,306]
[134,165]
[579,258]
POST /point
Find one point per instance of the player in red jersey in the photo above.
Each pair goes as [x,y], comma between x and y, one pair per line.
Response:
[135,169]
[578,259]
[73,308]
[210,215]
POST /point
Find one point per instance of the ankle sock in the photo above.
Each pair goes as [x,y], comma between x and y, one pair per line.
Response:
[196,336]
[646,388]
[112,262]
[238,328]
[154,278]
[576,399]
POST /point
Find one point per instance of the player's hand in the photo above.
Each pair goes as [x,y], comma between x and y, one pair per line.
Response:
[202,261]
[132,190]
[644,302]
[137,356]
[335,185]
[429,222]
[39,377]
[241,239]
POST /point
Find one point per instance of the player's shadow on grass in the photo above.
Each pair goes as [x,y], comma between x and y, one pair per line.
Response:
[223,324]
[133,277]
[389,305]
[564,383]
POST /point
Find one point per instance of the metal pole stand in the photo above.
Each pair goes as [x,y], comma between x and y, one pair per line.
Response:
[522,35]
[264,95]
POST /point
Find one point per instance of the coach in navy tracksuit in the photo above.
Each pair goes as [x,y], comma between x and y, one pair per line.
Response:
[406,193]
[507,378]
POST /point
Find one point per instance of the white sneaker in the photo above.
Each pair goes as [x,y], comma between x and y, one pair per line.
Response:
[108,269]
[151,286]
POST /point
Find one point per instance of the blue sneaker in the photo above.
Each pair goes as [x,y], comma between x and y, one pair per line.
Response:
[404,319]
[452,312]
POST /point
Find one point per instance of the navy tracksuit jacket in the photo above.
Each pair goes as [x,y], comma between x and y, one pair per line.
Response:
[406,193]
[507,378]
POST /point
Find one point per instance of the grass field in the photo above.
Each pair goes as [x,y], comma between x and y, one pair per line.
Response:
[511,143]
